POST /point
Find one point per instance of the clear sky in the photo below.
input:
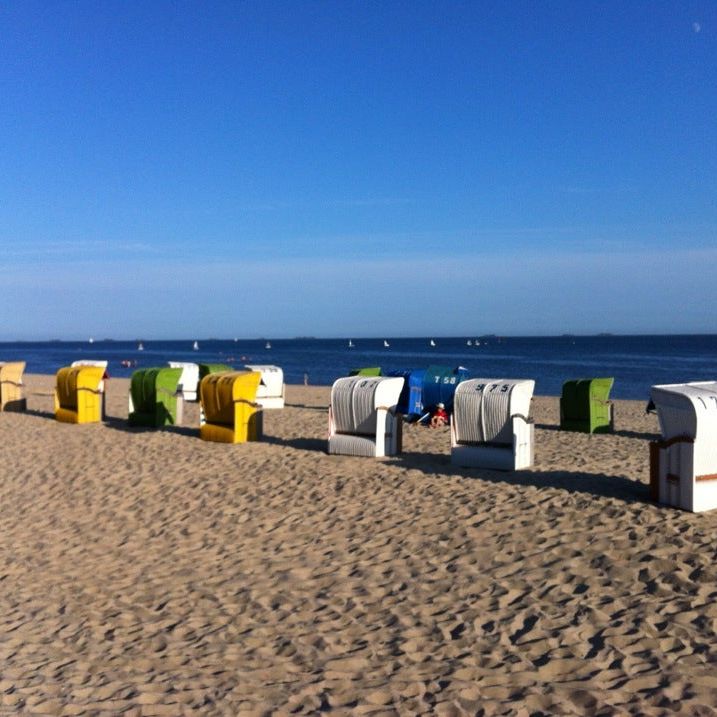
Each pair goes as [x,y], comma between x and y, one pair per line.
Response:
[194,169]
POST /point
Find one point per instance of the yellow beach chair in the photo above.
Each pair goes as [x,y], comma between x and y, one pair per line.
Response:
[78,398]
[229,412]
[11,386]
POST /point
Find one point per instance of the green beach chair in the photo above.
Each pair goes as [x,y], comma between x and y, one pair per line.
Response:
[206,368]
[368,371]
[585,405]
[153,397]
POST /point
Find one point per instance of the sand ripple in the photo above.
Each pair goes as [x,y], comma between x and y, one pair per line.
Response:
[150,573]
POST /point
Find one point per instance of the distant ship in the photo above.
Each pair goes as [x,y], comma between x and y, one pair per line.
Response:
[195,346]
[432,342]
[268,345]
[92,340]
[351,344]
[469,343]
[386,344]
[140,346]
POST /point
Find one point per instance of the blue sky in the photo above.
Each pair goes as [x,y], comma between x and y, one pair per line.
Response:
[187,169]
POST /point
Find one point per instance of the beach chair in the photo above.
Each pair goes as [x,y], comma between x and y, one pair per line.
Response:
[490,427]
[270,393]
[367,371]
[12,396]
[105,377]
[683,464]
[206,368]
[78,398]
[585,405]
[154,398]
[362,416]
[189,380]
[229,412]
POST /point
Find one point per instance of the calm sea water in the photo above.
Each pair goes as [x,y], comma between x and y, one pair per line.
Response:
[636,362]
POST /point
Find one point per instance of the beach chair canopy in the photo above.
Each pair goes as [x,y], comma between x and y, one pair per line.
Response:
[439,386]
[683,409]
[230,413]
[78,398]
[11,387]
[490,427]
[153,397]
[683,465]
[585,405]
[189,380]
[270,393]
[362,416]
[410,402]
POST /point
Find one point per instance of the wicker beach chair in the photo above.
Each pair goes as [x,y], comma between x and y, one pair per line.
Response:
[683,464]
[270,393]
[189,380]
[12,397]
[585,405]
[78,398]
[490,427]
[362,417]
[154,398]
[229,412]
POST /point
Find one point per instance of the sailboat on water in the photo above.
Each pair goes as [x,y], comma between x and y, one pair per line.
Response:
[386,344]
[432,342]
[351,344]
[140,346]
[195,346]
[268,345]
[469,343]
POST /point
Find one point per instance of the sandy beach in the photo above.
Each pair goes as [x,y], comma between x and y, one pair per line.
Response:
[147,572]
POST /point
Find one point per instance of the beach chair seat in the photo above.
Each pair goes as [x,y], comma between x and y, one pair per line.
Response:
[490,427]
[362,416]
[683,464]
[12,396]
[78,398]
[189,380]
[270,393]
[585,405]
[229,412]
[154,399]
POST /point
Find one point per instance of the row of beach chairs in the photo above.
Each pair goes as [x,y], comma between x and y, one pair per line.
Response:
[490,426]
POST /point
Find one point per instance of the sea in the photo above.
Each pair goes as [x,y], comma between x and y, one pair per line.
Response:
[635,362]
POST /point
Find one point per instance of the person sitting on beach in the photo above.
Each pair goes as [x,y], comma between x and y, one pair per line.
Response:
[439,417]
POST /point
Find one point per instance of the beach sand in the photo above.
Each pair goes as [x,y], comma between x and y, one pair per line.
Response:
[147,572]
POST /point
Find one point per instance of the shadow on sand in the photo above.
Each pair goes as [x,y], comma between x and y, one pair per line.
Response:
[600,485]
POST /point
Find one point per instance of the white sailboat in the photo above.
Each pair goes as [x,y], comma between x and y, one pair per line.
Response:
[91,340]
[469,343]
[140,346]
[351,344]
[195,346]
[432,342]
[386,344]
[268,345]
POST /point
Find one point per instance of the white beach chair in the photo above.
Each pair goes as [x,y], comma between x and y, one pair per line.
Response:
[683,465]
[189,382]
[99,364]
[490,427]
[270,393]
[362,416]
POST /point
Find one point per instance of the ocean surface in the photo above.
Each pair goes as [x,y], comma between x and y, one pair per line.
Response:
[636,362]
